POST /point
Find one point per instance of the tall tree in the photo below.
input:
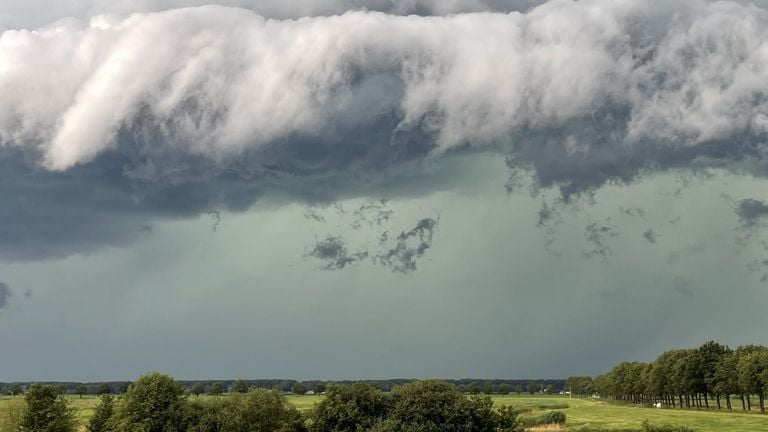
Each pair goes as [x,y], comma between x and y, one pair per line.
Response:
[154,403]
[47,411]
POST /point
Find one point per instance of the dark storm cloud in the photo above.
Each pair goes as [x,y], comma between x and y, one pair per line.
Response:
[333,254]
[650,236]
[599,235]
[5,294]
[549,218]
[408,248]
[175,113]
[215,218]
[372,214]
[751,211]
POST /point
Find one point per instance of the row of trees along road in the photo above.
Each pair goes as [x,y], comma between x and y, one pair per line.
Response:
[694,377]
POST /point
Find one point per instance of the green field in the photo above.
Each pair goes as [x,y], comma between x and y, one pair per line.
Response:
[583,414]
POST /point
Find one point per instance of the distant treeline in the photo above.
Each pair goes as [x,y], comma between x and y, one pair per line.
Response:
[471,386]
[687,378]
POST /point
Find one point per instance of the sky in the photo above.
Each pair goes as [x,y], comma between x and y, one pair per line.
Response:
[359,189]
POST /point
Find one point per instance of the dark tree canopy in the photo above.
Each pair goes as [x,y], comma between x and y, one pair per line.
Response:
[47,411]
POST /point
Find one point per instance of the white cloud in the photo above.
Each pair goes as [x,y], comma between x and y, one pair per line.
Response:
[215,81]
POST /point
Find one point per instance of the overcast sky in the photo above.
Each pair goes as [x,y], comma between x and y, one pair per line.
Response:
[376,188]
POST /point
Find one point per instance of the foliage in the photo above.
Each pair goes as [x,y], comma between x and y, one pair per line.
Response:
[438,406]
[259,410]
[647,427]
[691,377]
[154,403]
[348,408]
[299,388]
[47,411]
[197,389]
[547,418]
[239,386]
[103,413]
[216,389]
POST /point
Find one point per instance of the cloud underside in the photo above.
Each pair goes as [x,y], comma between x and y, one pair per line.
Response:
[187,111]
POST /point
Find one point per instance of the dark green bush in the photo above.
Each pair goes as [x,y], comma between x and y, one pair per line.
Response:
[551,417]
[647,427]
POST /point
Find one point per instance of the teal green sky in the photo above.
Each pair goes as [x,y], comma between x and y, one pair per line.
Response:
[489,298]
[353,189]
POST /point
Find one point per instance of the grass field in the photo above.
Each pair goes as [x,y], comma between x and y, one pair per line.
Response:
[583,414]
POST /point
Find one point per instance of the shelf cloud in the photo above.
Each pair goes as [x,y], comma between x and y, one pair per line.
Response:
[180,109]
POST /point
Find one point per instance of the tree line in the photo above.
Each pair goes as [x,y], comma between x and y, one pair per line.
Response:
[157,403]
[689,378]
[471,386]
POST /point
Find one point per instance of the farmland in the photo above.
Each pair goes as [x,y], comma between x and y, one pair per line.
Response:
[582,414]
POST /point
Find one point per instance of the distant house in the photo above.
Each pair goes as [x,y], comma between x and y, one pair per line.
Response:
[311,392]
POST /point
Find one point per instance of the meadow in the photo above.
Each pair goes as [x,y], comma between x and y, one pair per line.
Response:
[583,414]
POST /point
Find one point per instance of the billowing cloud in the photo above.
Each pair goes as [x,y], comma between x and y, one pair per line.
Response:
[175,111]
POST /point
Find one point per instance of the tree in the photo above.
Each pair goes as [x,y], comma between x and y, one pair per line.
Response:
[103,389]
[436,406]
[474,388]
[726,380]
[197,389]
[299,388]
[16,390]
[752,367]
[488,387]
[518,388]
[216,389]
[81,390]
[239,386]
[504,389]
[47,411]
[154,403]
[319,388]
[261,410]
[533,387]
[100,420]
[709,355]
[350,408]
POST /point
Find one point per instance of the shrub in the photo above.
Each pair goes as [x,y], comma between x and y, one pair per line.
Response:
[647,427]
[551,417]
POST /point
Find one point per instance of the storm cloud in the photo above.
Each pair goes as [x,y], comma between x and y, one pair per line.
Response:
[183,108]
[751,211]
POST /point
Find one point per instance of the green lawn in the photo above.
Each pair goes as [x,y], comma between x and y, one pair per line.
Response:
[583,414]
[591,414]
